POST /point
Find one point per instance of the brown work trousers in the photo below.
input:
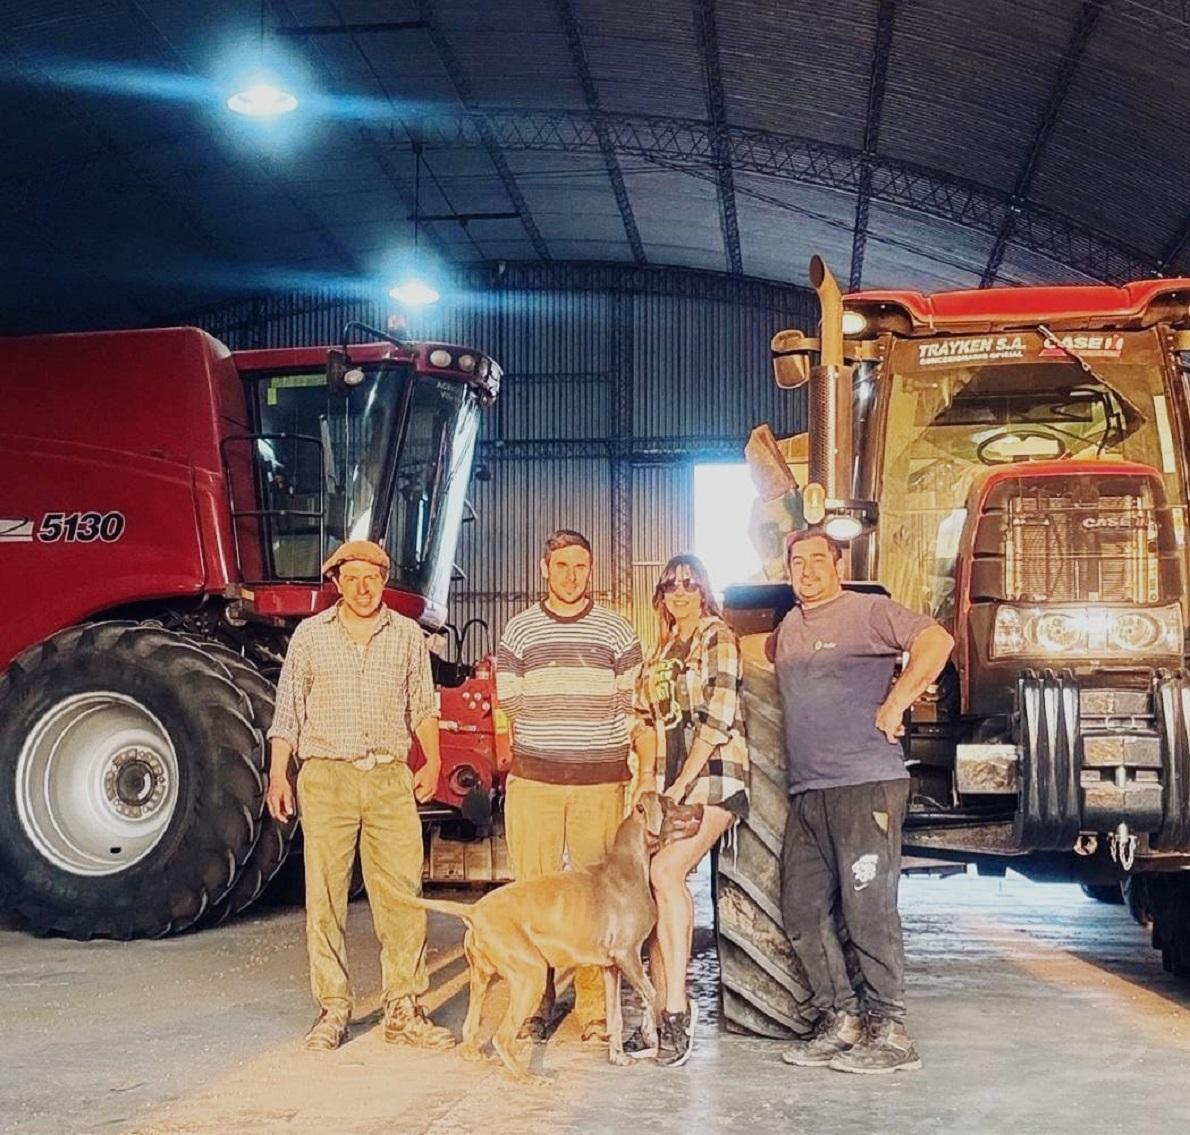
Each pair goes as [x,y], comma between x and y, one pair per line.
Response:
[541,822]
[342,808]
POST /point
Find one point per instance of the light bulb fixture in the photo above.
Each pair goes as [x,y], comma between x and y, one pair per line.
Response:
[413,291]
[848,520]
[261,97]
[843,528]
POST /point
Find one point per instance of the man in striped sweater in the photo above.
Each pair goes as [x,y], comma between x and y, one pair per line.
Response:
[565,673]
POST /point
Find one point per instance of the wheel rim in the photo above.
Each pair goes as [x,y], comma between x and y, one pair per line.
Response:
[97,783]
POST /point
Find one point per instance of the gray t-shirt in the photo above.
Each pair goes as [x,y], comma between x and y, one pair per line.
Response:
[835,666]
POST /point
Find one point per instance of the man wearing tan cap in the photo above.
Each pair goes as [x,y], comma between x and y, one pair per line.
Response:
[354,691]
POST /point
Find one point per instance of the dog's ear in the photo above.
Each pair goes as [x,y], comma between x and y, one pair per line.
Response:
[650,807]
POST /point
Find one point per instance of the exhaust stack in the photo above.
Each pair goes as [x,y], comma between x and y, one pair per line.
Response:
[831,459]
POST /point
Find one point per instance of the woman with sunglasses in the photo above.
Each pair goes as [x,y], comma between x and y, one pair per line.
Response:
[688,704]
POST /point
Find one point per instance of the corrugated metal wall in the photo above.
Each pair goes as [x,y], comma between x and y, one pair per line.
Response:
[617,380]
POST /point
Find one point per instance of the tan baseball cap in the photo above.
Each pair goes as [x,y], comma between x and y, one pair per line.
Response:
[363,550]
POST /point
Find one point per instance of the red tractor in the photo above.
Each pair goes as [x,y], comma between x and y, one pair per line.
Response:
[165,505]
[1014,463]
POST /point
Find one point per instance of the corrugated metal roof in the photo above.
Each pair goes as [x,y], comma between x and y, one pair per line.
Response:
[129,187]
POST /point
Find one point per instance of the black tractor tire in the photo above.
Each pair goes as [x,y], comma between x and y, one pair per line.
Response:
[1136,897]
[1169,905]
[273,844]
[764,986]
[1110,893]
[206,792]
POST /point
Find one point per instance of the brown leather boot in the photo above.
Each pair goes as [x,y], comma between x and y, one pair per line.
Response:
[406,1022]
[328,1031]
[833,1033]
[885,1047]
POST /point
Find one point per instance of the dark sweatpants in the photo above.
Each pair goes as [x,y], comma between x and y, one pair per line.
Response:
[842,852]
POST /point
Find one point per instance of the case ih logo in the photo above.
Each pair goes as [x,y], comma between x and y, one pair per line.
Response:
[16,530]
[1115,522]
[1089,346]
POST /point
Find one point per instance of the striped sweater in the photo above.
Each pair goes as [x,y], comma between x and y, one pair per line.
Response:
[566,683]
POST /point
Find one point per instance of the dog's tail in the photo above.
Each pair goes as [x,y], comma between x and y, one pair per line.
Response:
[442,906]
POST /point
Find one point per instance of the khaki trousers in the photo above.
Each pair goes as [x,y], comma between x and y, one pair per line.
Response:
[541,821]
[341,808]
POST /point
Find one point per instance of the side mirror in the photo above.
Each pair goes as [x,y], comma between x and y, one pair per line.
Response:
[791,358]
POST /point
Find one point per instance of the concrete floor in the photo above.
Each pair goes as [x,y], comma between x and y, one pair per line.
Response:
[1035,1010]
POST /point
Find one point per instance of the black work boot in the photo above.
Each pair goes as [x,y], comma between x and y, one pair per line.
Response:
[885,1047]
[833,1033]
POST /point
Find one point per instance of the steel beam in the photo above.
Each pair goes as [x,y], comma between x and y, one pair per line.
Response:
[578,53]
[639,450]
[462,84]
[371,142]
[1076,46]
[1174,250]
[885,15]
[707,32]
[689,143]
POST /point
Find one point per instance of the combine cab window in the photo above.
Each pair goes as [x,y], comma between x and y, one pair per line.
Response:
[947,427]
[340,453]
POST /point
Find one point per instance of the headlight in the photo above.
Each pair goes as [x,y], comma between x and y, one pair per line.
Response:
[1087,632]
[467,363]
[844,528]
[440,358]
[854,322]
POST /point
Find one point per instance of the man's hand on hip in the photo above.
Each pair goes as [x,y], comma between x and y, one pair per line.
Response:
[425,781]
[890,721]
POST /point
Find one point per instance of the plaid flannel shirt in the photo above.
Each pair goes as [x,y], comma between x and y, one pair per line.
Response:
[343,701]
[710,689]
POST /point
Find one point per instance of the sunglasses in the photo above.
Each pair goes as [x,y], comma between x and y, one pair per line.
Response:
[669,586]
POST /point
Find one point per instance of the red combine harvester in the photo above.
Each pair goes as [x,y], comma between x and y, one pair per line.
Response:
[165,506]
[1013,462]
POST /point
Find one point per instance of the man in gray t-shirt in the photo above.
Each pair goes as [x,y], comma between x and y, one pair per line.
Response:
[835,655]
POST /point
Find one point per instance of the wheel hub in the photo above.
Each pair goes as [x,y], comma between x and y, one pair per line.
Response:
[136,782]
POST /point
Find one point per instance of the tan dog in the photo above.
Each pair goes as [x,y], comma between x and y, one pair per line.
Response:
[598,915]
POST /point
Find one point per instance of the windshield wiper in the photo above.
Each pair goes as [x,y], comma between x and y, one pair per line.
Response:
[1052,340]
[1113,428]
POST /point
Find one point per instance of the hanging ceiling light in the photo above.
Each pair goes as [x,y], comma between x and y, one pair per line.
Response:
[412,291]
[261,97]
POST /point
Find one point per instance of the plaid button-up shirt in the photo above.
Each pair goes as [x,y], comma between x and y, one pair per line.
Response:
[346,701]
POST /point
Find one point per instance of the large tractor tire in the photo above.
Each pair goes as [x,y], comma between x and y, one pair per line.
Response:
[764,986]
[1110,893]
[273,843]
[1169,908]
[130,784]
[1136,897]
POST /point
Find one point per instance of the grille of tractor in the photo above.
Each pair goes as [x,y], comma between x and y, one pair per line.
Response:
[1067,543]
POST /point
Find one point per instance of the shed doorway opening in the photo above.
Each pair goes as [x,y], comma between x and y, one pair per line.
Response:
[723,499]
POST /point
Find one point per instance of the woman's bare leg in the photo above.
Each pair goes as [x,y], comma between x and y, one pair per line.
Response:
[675,904]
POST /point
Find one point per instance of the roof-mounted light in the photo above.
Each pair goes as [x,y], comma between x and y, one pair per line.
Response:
[843,528]
[854,322]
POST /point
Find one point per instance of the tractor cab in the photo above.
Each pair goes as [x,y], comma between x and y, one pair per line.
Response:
[373,442]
